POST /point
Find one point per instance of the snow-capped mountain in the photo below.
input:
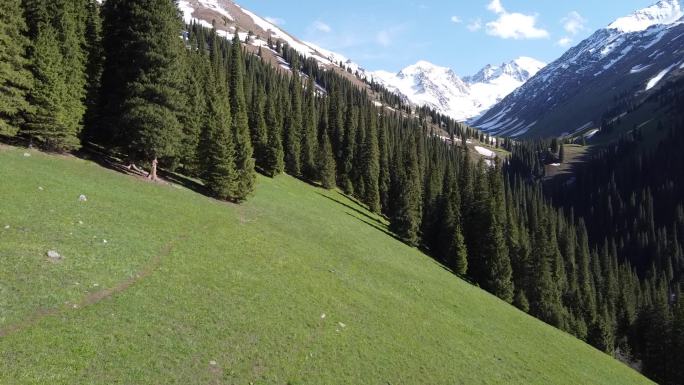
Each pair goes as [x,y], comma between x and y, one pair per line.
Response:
[427,84]
[631,56]
[227,16]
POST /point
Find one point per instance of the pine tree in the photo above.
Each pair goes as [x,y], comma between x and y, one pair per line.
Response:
[406,188]
[453,248]
[15,78]
[384,179]
[142,79]
[58,66]
[244,163]
[308,134]
[370,167]
[293,126]
[499,275]
[326,160]
[257,124]
[220,172]
[274,162]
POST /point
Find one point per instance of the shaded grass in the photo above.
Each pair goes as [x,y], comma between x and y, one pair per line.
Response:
[244,287]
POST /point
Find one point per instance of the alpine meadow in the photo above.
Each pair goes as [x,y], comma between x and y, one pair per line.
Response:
[189,194]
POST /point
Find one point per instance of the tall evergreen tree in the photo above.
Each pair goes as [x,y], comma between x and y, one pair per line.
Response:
[58,65]
[274,162]
[257,124]
[325,159]
[220,172]
[308,133]
[244,163]
[293,126]
[142,78]
[15,78]
[370,167]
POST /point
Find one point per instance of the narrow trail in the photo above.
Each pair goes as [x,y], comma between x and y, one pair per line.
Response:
[95,297]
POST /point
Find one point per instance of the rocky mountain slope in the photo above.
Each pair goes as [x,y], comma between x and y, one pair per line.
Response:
[631,57]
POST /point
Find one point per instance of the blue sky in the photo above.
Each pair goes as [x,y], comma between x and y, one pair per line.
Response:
[463,35]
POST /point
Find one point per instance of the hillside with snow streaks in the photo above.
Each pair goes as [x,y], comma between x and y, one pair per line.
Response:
[427,84]
[632,56]
[226,16]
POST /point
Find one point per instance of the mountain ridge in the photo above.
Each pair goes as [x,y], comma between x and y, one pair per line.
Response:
[630,56]
[462,98]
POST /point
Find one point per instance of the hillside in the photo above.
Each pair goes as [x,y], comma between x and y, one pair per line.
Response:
[158,284]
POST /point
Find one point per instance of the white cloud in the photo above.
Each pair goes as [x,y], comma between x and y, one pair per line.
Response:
[516,26]
[513,25]
[275,20]
[574,23]
[456,19]
[564,42]
[475,25]
[496,7]
[321,27]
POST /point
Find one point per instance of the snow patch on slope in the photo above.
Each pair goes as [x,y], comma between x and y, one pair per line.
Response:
[655,80]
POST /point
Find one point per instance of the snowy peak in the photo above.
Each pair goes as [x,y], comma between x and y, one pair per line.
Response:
[427,84]
[663,12]
[520,69]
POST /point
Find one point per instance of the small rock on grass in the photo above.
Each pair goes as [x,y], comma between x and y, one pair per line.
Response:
[54,256]
[27,155]
[82,198]
[7,227]
[213,363]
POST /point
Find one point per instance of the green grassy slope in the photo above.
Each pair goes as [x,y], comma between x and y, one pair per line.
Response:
[188,290]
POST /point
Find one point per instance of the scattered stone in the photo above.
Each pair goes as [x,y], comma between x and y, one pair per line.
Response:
[75,306]
[80,222]
[54,256]
[96,285]
[82,198]
[27,155]
[104,241]
[40,188]
[342,325]
[7,227]
[213,363]
[337,330]
[323,316]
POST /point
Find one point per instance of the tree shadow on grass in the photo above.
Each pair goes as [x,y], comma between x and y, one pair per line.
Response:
[110,161]
[350,207]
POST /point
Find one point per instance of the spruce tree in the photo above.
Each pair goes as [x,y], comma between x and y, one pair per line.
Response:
[406,188]
[58,66]
[308,134]
[293,126]
[325,160]
[274,163]
[15,78]
[142,79]
[257,124]
[370,167]
[220,173]
[244,163]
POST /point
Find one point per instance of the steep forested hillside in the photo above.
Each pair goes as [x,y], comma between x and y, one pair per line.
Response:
[129,79]
[631,197]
